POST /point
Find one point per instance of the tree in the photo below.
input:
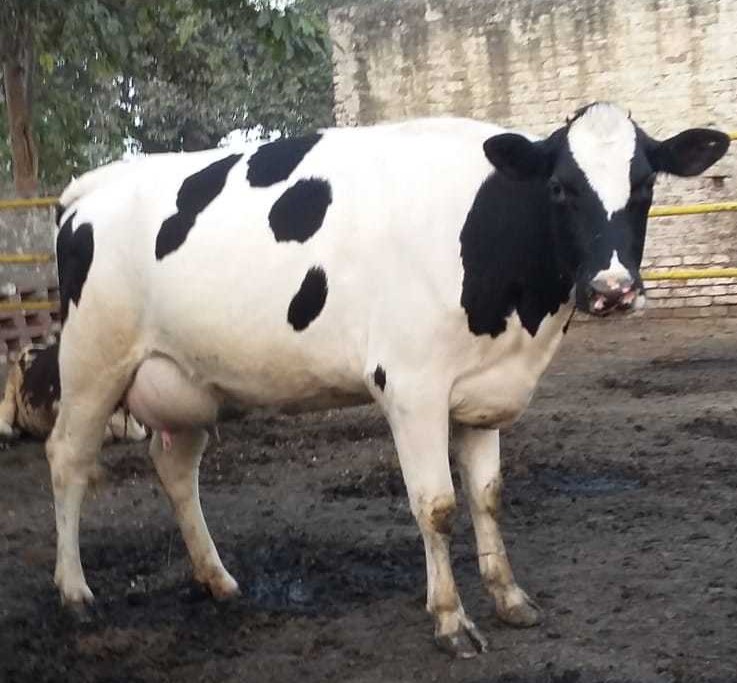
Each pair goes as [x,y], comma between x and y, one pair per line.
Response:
[66,55]
[171,75]
[16,54]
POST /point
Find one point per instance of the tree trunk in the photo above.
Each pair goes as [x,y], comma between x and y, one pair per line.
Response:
[17,73]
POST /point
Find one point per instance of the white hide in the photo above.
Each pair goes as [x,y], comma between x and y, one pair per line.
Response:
[602,142]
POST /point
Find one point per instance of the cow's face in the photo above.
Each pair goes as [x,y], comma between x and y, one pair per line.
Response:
[599,171]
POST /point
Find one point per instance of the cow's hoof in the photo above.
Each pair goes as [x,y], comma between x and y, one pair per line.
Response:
[74,593]
[523,613]
[223,592]
[79,612]
[464,643]
[223,586]
[77,603]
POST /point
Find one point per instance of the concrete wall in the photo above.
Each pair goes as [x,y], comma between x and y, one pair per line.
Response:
[25,231]
[531,63]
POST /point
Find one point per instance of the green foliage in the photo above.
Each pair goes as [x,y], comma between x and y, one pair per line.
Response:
[169,75]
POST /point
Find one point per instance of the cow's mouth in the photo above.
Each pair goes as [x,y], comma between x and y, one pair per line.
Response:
[603,304]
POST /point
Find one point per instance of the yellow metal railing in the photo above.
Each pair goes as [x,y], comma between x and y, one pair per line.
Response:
[15,306]
[27,203]
[689,274]
[42,257]
[691,209]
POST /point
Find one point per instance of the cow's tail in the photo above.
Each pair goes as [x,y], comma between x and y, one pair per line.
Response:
[89,182]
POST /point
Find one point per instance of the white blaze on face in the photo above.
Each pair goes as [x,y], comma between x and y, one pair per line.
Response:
[602,142]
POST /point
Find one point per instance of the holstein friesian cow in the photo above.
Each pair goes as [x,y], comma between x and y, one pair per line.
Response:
[431,266]
[31,398]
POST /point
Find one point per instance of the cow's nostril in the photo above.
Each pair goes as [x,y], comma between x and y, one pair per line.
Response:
[611,287]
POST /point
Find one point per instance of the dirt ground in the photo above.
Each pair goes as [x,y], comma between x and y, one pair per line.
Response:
[620,520]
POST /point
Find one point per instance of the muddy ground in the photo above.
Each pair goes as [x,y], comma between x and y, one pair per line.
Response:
[620,519]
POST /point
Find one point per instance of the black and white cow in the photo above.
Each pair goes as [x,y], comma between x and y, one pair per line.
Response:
[430,266]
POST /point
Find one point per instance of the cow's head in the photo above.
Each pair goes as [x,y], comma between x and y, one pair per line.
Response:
[599,170]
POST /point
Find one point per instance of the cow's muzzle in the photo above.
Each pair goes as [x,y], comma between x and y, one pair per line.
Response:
[608,294]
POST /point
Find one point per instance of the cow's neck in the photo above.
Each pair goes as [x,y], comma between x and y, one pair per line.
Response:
[511,259]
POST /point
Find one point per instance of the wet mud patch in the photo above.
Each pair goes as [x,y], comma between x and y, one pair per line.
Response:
[670,377]
[296,574]
[542,481]
[714,427]
[121,642]
[282,573]
[150,618]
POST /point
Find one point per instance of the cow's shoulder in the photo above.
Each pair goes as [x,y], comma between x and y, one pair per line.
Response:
[507,252]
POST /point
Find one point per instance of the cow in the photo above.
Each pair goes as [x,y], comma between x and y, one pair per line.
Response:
[31,398]
[431,266]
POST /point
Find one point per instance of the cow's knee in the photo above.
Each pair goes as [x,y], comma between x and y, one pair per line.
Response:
[65,468]
[443,513]
[71,462]
[437,514]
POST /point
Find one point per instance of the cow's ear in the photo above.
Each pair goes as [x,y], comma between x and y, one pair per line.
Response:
[688,153]
[517,157]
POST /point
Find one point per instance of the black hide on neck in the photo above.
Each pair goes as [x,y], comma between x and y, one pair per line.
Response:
[513,257]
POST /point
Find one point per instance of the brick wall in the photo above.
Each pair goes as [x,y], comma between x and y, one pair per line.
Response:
[530,63]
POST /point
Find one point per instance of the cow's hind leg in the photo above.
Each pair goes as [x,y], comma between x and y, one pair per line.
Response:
[421,437]
[481,475]
[178,465]
[72,449]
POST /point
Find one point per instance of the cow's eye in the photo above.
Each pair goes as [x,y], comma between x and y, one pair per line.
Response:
[557,191]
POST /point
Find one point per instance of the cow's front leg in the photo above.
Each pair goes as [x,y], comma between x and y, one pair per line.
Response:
[481,475]
[421,437]
[178,464]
